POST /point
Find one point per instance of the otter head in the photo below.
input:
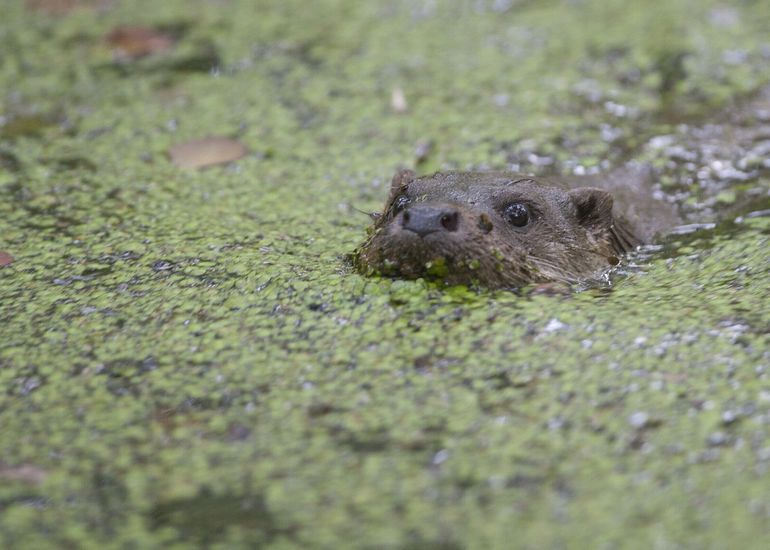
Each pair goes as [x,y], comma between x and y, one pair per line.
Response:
[495,229]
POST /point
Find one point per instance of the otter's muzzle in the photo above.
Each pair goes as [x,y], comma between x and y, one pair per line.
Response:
[425,219]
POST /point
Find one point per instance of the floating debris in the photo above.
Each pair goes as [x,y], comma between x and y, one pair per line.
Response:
[639,419]
[131,42]
[26,473]
[206,152]
[5,259]
[554,325]
[398,101]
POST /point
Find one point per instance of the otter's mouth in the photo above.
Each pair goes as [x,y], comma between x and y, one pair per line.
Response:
[409,254]
[452,258]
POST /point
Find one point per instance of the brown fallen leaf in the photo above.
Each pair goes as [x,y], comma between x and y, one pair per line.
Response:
[130,42]
[28,473]
[5,259]
[204,152]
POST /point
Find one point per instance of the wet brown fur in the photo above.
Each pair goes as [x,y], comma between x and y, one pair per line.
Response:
[573,234]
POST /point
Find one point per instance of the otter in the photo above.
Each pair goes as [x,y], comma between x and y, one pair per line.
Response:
[507,230]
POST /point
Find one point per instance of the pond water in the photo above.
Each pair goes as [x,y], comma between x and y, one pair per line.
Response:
[188,357]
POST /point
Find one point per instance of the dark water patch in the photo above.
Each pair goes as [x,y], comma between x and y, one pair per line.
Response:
[98,132]
[163,265]
[29,500]
[670,66]
[25,125]
[202,57]
[193,271]
[26,379]
[125,256]
[691,244]
[417,542]
[703,236]
[323,408]
[203,519]
[71,163]
[65,281]
[690,240]
[9,161]
[372,441]
[205,58]
[110,495]
[213,403]
[125,375]
[238,432]
[175,29]
[29,384]
[94,270]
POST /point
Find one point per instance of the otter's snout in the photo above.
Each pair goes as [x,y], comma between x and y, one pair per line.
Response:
[424,219]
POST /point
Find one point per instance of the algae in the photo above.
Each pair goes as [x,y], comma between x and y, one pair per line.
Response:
[188,358]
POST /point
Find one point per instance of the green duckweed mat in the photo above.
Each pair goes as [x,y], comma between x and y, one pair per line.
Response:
[188,360]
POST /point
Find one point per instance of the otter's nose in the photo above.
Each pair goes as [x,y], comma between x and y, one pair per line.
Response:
[424,219]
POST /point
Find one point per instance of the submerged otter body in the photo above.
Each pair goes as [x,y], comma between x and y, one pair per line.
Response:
[501,229]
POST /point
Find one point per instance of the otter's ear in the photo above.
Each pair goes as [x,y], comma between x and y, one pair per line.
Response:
[401,179]
[593,207]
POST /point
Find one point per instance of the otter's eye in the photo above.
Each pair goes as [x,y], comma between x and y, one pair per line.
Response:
[517,214]
[400,203]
